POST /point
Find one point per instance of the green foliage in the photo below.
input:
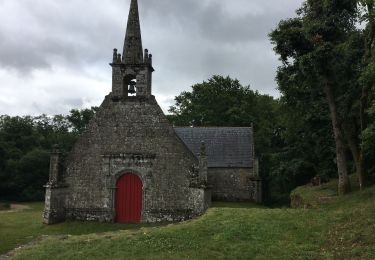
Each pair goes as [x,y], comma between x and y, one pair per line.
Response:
[219,101]
[307,146]
[222,101]
[226,231]
[293,138]
[4,205]
[322,49]
[25,143]
[79,119]
[368,138]
[31,172]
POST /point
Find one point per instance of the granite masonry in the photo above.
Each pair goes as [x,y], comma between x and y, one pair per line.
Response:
[178,168]
[232,168]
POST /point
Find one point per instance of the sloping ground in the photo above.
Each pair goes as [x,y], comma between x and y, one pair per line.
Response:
[315,196]
[343,228]
[351,226]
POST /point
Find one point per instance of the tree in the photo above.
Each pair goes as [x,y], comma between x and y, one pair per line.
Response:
[32,172]
[25,143]
[367,90]
[17,137]
[311,48]
[368,140]
[293,138]
[222,101]
[80,118]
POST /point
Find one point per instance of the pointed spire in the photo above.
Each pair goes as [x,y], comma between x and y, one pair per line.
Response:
[133,52]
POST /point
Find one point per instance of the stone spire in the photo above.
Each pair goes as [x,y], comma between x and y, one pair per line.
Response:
[133,52]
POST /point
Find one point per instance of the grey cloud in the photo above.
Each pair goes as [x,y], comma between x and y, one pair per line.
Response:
[60,105]
[190,39]
[218,26]
[211,20]
[69,32]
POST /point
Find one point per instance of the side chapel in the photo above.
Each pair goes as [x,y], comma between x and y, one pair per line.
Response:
[131,165]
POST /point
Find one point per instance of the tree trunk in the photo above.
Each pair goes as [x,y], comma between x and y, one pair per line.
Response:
[342,169]
[357,155]
[362,172]
[360,169]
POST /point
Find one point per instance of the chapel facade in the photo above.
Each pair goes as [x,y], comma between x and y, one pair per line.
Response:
[131,165]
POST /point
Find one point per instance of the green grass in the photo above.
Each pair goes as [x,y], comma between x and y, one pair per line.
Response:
[343,228]
[314,197]
[20,227]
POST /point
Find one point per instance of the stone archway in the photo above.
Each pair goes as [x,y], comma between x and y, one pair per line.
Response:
[129,199]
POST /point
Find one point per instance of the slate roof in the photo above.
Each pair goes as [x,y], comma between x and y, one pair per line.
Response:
[226,147]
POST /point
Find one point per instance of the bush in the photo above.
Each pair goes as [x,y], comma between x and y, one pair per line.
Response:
[4,205]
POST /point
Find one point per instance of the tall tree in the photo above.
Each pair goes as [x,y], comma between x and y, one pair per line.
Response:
[368,141]
[25,143]
[368,85]
[293,138]
[222,101]
[311,48]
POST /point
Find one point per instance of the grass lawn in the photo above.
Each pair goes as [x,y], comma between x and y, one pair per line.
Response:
[343,228]
[22,226]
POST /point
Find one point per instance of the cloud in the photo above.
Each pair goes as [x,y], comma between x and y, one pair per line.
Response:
[54,91]
[40,33]
[54,54]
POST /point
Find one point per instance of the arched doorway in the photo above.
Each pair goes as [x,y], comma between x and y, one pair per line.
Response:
[129,199]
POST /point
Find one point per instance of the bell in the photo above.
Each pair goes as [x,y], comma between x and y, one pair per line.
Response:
[132,87]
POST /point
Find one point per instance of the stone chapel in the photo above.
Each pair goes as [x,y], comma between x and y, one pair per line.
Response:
[132,166]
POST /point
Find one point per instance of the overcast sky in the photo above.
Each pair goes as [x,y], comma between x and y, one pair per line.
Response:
[54,54]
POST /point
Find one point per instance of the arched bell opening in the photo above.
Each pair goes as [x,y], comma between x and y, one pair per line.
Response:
[130,86]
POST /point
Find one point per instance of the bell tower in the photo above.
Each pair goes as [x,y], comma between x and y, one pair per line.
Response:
[132,71]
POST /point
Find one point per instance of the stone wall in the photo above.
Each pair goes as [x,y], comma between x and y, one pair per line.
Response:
[131,135]
[54,208]
[234,184]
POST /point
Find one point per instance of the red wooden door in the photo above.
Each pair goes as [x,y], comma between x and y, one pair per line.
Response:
[128,199]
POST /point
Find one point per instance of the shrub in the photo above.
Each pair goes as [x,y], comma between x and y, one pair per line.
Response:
[4,205]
